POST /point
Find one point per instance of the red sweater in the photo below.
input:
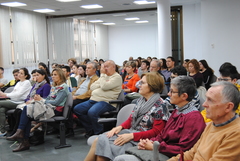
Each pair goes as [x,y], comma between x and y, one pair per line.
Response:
[158,125]
[130,83]
[181,132]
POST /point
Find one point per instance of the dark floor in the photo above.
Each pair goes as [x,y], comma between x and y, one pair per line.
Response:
[46,151]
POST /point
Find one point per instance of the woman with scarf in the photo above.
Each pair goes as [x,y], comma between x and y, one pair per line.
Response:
[57,98]
[148,118]
[182,130]
[41,87]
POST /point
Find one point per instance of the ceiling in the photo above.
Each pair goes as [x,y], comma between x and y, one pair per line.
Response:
[112,11]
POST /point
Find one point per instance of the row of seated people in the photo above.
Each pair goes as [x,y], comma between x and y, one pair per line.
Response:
[80,111]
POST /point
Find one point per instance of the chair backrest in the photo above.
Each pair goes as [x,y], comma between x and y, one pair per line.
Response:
[9,90]
[124,113]
[213,79]
[68,105]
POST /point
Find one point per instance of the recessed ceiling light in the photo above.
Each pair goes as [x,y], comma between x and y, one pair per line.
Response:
[45,10]
[132,19]
[68,0]
[144,2]
[91,6]
[95,21]
[144,21]
[13,4]
[109,23]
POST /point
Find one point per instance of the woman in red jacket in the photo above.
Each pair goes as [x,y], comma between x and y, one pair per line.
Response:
[148,118]
[131,79]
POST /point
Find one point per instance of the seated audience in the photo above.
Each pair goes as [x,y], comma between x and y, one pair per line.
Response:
[164,69]
[57,98]
[182,130]
[70,81]
[220,139]
[131,79]
[41,87]
[207,72]
[228,73]
[144,67]
[54,65]
[3,81]
[82,73]
[71,62]
[185,63]
[175,72]
[17,96]
[193,69]
[13,82]
[82,93]
[106,88]
[147,120]
[75,72]
[43,66]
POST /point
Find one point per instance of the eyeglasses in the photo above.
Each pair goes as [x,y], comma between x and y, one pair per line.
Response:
[141,83]
[171,91]
[172,77]
[224,79]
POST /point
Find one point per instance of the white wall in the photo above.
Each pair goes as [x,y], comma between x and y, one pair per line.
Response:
[137,40]
[211,32]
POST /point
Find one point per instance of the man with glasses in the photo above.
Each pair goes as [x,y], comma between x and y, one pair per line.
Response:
[228,73]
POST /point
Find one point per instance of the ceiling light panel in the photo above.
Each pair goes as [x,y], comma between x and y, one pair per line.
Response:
[144,2]
[108,23]
[95,21]
[144,21]
[132,19]
[13,4]
[68,0]
[91,6]
[45,10]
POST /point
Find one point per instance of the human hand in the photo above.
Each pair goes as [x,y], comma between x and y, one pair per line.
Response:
[74,97]
[102,69]
[123,138]
[37,97]
[145,144]
[114,131]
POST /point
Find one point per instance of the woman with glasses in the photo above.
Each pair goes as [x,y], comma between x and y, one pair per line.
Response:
[182,130]
[147,120]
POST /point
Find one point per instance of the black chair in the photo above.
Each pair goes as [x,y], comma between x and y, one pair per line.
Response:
[61,121]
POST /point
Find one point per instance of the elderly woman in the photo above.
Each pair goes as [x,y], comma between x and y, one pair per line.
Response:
[131,79]
[41,87]
[182,130]
[17,96]
[57,97]
[147,120]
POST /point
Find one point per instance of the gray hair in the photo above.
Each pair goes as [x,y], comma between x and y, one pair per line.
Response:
[230,93]
[157,61]
[185,84]
[95,66]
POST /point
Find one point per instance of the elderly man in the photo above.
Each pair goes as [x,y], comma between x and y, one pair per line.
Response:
[220,139]
[106,88]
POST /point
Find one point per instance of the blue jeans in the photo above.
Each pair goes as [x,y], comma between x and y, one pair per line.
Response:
[25,122]
[88,113]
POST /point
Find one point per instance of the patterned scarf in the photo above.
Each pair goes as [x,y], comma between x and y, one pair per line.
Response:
[36,87]
[142,107]
[55,90]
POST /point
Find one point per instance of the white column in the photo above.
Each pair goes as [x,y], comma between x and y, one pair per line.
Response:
[164,29]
